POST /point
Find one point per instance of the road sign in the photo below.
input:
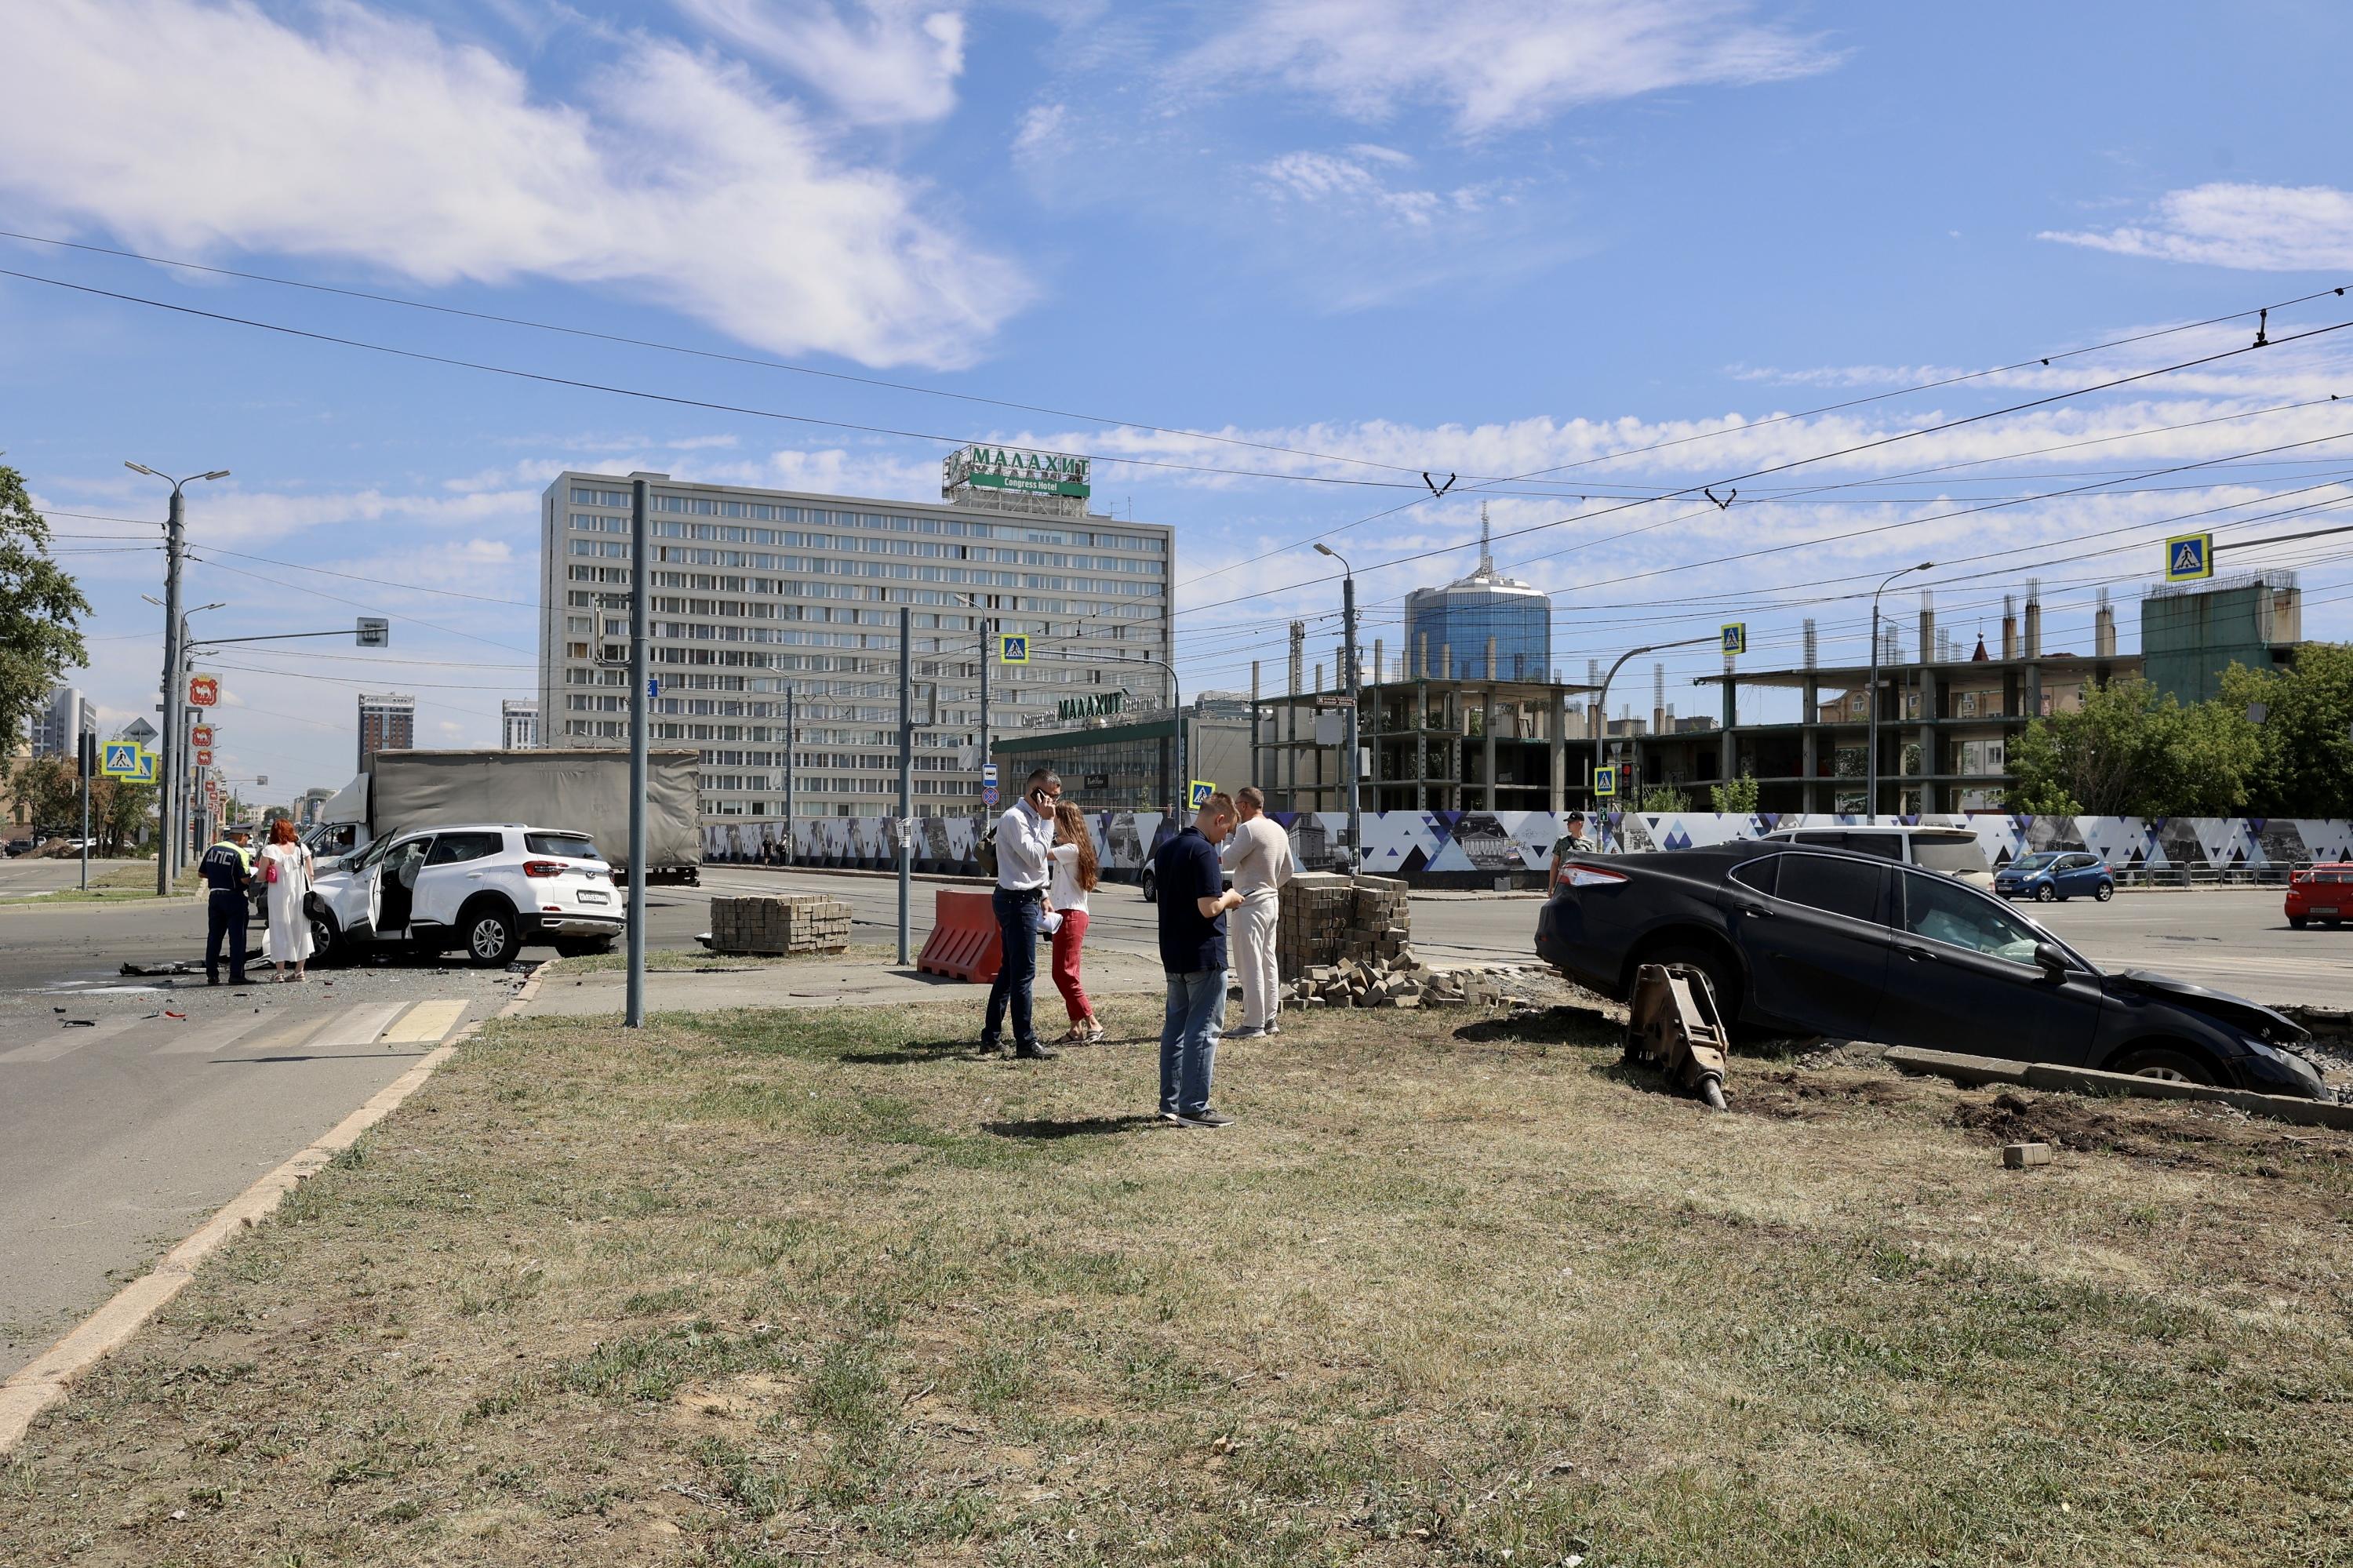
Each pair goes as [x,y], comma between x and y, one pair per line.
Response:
[120,758]
[988,774]
[200,735]
[1735,637]
[1013,648]
[146,774]
[138,730]
[988,794]
[653,685]
[1605,781]
[2188,557]
[204,757]
[1334,700]
[204,691]
[1202,790]
[372,631]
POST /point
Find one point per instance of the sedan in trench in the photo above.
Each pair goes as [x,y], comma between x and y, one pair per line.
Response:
[1799,941]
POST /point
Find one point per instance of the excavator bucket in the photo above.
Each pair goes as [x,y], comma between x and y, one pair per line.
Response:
[1673,1025]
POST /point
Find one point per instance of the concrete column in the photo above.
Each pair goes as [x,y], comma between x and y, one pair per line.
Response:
[1926,738]
[1487,732]
[1420,738]
[1559,739]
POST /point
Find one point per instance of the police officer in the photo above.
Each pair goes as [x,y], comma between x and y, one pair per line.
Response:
[227,871]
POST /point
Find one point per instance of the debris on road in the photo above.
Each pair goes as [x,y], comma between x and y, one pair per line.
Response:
[2024,1156]
[180,967]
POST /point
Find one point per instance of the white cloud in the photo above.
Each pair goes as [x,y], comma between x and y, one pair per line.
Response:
[1499,63]
[676,179]
[1351,180]
[885,62]
[1040,125]
[2264,229]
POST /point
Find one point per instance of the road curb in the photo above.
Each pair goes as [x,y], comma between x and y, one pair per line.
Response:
[43,1381]
[1975,1071]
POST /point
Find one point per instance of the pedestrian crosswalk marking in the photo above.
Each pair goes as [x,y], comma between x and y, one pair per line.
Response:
[205,1039]
[426,1023]
[282,1039]
[68,1039]
[360,1026]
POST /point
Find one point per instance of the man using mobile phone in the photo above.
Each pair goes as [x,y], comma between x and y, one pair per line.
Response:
[1024,843]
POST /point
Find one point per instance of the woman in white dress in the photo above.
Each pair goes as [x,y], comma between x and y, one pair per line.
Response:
[286,874]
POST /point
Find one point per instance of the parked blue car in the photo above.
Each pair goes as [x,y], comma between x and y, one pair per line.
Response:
[2055,875]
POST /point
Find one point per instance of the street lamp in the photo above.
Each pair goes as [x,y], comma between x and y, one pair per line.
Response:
[1870,800]
[175,544]
[1350,772]
[1601,699]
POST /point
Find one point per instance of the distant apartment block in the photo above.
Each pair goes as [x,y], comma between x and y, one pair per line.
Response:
[387,722]
[519,724]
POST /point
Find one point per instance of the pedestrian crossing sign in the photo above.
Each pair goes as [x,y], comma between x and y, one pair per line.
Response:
[1013,648]
[120,758]
[1735,638]
[1202,790]
[1605,781]
[2188,557]
[146,774]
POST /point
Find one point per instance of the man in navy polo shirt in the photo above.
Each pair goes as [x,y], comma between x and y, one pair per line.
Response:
[1193,905]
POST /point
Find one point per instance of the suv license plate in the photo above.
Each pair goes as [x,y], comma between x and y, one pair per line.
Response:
[591,895]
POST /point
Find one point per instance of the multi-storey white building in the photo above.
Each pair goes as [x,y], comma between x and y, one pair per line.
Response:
[761,593]
[519,724]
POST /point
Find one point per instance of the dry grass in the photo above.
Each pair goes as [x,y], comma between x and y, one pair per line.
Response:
[698,961]
[767,1288]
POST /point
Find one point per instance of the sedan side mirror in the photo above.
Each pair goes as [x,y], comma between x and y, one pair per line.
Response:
[2050,960]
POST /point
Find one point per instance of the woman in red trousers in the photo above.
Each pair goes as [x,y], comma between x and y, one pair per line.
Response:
[1076,872]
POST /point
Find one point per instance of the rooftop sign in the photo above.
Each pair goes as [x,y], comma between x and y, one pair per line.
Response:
[1021,472]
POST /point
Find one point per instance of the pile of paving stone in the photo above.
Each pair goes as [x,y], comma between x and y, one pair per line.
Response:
[1404,981]
[776,924]
[1329,920]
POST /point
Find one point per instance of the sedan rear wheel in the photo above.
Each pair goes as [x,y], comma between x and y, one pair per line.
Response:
[2168,1063]
[2107,891]
[2296,922]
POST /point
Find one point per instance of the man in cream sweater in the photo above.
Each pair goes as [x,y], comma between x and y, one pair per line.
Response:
[1258,856]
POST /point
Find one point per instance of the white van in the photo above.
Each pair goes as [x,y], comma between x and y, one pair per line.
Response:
[1953,850]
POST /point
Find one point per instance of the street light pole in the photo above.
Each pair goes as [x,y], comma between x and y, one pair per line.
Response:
[906,775]
[1351,773]
[175,546]
[1601,699]
[1870,799]
[640,705]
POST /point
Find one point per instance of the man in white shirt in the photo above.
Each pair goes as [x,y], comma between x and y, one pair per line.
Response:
[1025,842]
[1258,855]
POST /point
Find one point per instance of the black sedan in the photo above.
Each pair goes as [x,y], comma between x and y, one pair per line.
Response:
[1807,942]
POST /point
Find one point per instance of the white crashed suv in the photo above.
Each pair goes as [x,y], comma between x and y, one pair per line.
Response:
[485,888]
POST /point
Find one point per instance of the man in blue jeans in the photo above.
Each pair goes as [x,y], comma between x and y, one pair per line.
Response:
[1025,841]
[1193,905]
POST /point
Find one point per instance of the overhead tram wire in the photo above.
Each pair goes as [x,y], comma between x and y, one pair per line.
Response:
[754,361]
[671,399]
[1479,485]
[1866,446]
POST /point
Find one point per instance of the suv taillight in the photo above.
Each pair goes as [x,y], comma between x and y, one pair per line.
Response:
[543,868]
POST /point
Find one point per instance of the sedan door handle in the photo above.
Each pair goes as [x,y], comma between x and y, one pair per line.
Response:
[1917,955]
[1755,911]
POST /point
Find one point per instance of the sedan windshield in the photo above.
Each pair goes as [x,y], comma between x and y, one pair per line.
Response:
[2034,862]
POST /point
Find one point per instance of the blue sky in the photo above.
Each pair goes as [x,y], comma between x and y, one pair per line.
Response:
[1490,237]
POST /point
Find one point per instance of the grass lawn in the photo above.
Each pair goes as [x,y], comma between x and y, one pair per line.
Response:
[781,1287]
[114,884]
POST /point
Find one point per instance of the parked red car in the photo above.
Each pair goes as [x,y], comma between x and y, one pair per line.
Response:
[2324,893]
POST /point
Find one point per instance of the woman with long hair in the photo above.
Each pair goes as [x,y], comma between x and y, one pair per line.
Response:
[1076,872]
[286,876]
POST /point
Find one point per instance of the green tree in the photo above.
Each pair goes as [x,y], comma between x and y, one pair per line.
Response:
[2303,746]
[120,812]
[40,610]
[1661,798]
[1734,796]
[48,792]
[2131,751]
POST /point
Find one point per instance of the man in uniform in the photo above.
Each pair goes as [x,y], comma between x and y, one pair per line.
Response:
[227,871]
[1573,841]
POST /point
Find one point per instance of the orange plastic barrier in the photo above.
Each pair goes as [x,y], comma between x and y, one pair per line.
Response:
[964,943]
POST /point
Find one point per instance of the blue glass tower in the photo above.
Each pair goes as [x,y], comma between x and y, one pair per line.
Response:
[1447,629]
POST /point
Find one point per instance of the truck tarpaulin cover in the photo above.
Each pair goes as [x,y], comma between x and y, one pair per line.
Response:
[585,790]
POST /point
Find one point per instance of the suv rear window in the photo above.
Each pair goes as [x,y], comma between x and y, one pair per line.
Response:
[1835,886]
[572,846]
[1948,853]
